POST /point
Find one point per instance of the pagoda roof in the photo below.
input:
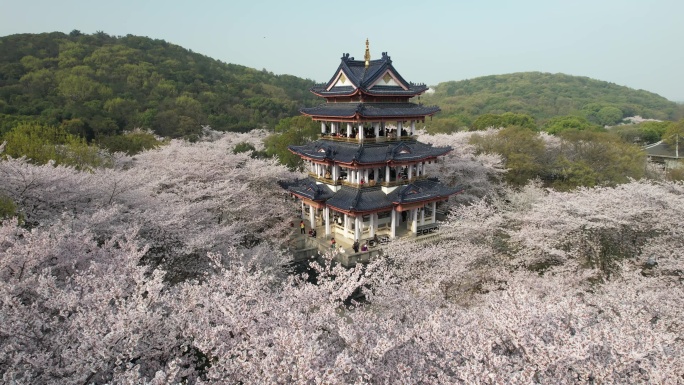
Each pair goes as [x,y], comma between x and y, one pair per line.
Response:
[312,190]
[378,78]
[370,110]
[370,199]
[351,199]
[404,151]
[422,190]
[373,199]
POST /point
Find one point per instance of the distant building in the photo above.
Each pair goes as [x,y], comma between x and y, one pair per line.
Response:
[367,173]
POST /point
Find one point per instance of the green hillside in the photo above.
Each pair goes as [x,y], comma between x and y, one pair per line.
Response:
[97,86]
[100,85]
[543,96]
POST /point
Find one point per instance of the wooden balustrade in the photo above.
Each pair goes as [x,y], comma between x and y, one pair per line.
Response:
[372,183]
[324,179]
[377,139]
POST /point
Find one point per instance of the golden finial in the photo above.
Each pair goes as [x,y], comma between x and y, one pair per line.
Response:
[367,55]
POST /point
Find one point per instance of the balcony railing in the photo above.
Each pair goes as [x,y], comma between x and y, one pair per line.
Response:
[401,181]
[378,139]
[324,179]
[366,184]
[372,183]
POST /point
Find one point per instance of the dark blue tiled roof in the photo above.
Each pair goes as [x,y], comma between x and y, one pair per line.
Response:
[312,190]
[371,153]
[366,199]
[359,199]
[370,110]
[372,199]
[394,90]
[413,90]
[422,190]
[363,77]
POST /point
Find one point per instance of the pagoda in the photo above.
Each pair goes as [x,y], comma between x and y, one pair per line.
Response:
[367,172]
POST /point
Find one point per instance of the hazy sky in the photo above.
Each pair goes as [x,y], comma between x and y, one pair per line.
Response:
[633,43]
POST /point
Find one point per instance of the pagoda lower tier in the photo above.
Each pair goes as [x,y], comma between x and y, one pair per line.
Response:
[366,211]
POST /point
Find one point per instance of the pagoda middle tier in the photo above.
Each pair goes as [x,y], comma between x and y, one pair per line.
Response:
[353,154]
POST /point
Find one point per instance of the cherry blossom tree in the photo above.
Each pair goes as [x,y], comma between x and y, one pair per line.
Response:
[601,226]
[187,198]
[479,174]
[524,285]
[75,311]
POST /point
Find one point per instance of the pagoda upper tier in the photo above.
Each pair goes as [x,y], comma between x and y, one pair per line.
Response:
[374,78]
[369,111]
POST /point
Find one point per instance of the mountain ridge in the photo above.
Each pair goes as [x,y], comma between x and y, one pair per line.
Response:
[101,85]
[544,95]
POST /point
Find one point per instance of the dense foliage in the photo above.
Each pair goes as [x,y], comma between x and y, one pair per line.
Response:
[43,144]
[165,269]
[542,96]
[98,85]
[291,132]
[571,159]
[506,119]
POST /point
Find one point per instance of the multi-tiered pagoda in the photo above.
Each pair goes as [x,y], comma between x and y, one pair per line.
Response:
[367,173]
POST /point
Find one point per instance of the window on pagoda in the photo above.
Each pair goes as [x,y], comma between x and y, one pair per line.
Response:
[384,214]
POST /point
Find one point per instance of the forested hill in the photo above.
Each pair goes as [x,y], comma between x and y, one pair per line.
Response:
[544,95]
[99,85]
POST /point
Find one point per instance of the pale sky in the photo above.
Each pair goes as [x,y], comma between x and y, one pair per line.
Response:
[632,43]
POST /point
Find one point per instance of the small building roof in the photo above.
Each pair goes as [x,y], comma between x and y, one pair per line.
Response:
[399,152]
[311,190]
[378,78]
[371,111]
[664,150]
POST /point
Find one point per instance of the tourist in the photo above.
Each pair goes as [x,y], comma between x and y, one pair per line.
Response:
[332,243]
[302,227]
[364,247]
[313,233]
[355,246]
